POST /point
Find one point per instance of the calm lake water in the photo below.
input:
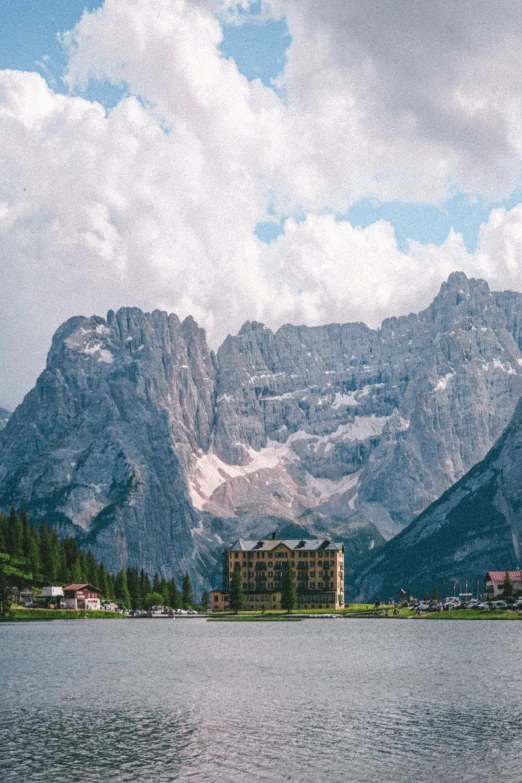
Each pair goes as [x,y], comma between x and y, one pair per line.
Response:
[335,701]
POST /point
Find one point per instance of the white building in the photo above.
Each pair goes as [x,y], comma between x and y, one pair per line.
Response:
[495,582]
[52,592]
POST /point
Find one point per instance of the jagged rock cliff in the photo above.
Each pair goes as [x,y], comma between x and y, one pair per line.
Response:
[475,527]
[152,450]
[4,417]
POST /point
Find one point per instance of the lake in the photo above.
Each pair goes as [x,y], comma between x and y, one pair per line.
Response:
[377,701]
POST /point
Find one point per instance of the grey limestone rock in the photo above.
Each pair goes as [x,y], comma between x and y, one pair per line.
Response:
[475,527]
[151,450]
[4,417]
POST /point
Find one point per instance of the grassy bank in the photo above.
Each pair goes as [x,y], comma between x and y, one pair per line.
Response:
[473,614]
[33,615]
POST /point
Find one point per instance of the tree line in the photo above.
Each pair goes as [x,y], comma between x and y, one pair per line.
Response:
[30,556]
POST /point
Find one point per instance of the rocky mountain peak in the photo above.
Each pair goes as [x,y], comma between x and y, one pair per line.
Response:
[152,450]
[251,326]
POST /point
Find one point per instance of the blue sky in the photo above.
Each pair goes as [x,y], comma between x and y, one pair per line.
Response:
[360,126]
[29,41]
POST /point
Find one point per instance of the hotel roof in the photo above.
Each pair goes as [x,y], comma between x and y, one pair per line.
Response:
[267,544]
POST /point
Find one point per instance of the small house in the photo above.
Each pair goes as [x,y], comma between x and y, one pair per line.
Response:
[83,596]
[495,582]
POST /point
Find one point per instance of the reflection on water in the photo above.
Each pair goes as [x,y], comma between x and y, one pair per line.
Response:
[155,701]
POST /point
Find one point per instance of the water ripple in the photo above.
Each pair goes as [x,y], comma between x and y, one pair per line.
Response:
[306,703]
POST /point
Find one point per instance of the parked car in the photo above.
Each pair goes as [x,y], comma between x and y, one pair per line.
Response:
[191,611]
[498,604]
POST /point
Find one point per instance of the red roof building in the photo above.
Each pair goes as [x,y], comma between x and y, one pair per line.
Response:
[495,581]
[81,596]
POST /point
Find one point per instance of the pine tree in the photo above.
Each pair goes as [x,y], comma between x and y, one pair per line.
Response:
[3,533]
[121,589]
[133,582]
[33,558]
[92,569]
[237,598]
[76,574]
[435,594]
[5,593]
[508,585]
[187,592]
[102,581]
[63,570]
[156,585]
[14,535]
[47,558]
[175,600]
[84,566]
[165,592]
[425,596]
[24,524]
[289,592]
[110,587]
[145,585]
[56,547]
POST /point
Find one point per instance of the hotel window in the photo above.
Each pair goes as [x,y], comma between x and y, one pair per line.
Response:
[270,573]
[244,585]
[319,585]
[270,584]
[312,585]
[312,573]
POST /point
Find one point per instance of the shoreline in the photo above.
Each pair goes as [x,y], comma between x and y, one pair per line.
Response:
[51,615]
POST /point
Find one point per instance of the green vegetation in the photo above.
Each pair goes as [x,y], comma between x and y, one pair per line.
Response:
[153,599]
[187,593]
[31,558]
[237,599]
[473,614]
[18,614]
[508,585]
[289,592]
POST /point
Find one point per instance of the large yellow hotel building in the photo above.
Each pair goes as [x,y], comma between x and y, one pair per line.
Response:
[318,566]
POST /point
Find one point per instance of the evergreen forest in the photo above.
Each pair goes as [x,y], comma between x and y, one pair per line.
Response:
[32,557]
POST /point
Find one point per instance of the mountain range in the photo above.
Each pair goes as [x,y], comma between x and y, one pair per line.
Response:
[475,527]
[153,450]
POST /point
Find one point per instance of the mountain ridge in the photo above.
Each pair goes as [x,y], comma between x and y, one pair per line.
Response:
[474,527]
[154,450]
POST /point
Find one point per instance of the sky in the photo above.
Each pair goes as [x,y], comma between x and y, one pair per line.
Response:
[271,160]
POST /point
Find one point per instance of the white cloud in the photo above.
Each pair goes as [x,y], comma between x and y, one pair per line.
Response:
[155,203]
[424,94]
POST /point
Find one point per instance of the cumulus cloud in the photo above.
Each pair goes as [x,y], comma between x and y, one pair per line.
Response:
[432,88]
[155,202]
